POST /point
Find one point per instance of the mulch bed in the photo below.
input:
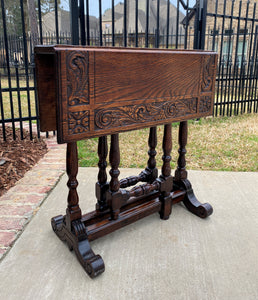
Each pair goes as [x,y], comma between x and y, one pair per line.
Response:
[17,156]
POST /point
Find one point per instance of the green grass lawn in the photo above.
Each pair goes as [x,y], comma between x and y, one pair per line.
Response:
[221,144]
[19,101]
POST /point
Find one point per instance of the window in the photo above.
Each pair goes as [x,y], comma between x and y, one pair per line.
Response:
[240,53]
[215,46]
[243,31]
[216,32]
[228,32]
[227,50]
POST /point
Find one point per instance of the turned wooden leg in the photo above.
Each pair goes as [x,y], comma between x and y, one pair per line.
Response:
[152,142]
[73,211]
[114,185]
[150,173]
[190,201]
[102,185]
[166,178]
[181,172]
[167,147]
[70,228]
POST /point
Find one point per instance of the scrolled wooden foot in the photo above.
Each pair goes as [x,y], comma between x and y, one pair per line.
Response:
[94,266]
[77,240]
[57,222]
[192,204]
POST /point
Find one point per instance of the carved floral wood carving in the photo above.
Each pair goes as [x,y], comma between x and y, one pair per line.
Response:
[205,104]
[208,73]
[77,67]
[78,71]
[78,122]
[100,91]
[131,114]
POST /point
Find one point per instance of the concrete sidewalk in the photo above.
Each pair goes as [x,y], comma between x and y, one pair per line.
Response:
[183,258]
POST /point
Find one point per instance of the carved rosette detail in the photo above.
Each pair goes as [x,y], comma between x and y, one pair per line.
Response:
[131,114]
[208,70]
[205,104]
[77,78]
[78,122]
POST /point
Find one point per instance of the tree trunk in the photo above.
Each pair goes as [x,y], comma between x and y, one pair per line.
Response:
[33,21]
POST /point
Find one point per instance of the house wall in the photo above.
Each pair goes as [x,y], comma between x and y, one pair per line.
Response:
[227,40]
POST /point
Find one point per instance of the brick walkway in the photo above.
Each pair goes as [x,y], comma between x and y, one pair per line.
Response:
[22,201]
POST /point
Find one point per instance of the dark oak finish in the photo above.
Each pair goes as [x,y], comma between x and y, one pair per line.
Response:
[102,184]
[114,185]
[166,197]
[46,74]
[73,211]
[87,92]
[167,147]
[181,172]
[102,91]
[152,153]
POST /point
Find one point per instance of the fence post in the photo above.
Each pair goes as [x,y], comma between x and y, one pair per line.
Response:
[82,23]
[200,24]
[74,16]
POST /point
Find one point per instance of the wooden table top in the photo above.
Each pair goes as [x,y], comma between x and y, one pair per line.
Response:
[87,92]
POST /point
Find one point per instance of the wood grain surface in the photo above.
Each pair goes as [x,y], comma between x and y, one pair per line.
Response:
[101,91]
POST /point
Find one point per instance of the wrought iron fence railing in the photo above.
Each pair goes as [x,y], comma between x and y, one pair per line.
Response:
[228,27]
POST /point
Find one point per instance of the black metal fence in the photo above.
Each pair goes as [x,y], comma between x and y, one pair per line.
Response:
[229,27]
[232,31]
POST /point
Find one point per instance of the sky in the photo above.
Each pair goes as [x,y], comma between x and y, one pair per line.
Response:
[94,5]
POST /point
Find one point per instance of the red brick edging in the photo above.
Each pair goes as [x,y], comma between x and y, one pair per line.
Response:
[21,202]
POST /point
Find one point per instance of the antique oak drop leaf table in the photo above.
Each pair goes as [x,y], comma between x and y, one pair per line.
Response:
[87,92]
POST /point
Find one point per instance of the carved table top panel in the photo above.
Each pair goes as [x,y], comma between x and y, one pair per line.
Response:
[86,92]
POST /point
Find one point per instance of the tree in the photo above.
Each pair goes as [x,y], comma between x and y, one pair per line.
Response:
[30,9]
[48,5]
[13,17]
[33,21]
